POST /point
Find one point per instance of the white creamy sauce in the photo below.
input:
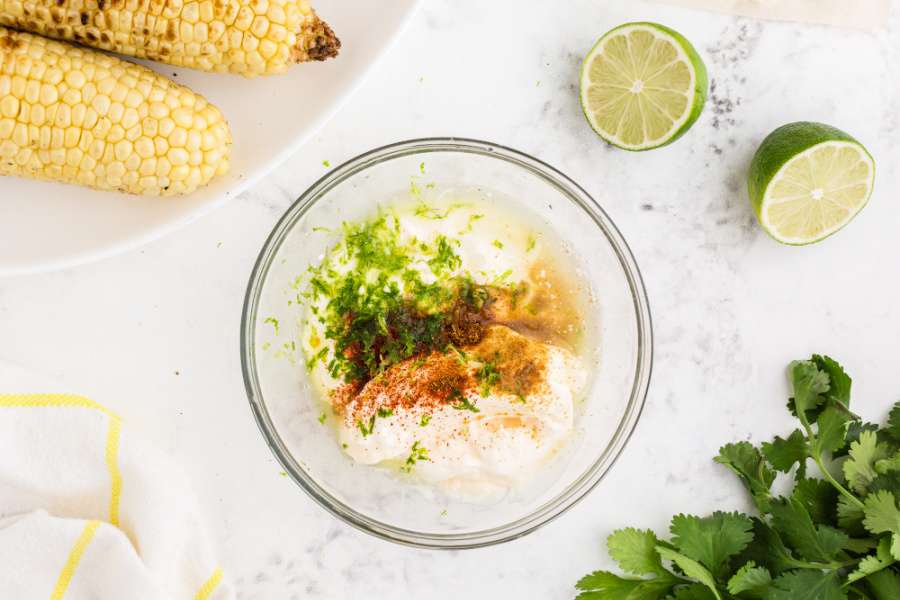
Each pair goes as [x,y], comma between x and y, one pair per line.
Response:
[471,455]
[478,455]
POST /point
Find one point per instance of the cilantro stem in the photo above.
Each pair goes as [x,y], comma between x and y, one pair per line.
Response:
[817,457]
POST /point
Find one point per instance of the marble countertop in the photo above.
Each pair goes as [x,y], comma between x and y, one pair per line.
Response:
[154,333]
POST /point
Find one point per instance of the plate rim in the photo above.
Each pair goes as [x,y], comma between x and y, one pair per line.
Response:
[252,177]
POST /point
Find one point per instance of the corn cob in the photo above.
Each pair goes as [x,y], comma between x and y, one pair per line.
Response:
[250,37]
[78,116]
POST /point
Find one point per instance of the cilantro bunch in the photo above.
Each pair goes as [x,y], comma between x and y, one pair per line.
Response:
[835,536]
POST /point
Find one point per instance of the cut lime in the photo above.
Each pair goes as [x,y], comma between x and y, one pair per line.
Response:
[642,86]
[808,180]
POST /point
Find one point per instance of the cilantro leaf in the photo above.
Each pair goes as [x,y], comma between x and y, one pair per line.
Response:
[839,382]
[832,432]
[859,469]
[807,584]
[767,549]
[692,592]
[808,383]
[603,585]
[860,545]
[711,540]
[889,482]
[635,551]
[854,430]
[885,585]
[883,516]
[819,498]
[850,515]
[893,426]
[784,453]
[750,580]
[888,465]
[748,464]
[691,568]
[882,559]
[813,543]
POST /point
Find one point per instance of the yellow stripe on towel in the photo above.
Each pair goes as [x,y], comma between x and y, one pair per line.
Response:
[81,544]
[210,586]
[112,464]
[48,400]
[112,434]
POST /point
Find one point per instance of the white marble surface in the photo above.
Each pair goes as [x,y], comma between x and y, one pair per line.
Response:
[154,333]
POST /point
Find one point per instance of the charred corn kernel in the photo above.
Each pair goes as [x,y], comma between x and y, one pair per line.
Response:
[250,37]
[97,126]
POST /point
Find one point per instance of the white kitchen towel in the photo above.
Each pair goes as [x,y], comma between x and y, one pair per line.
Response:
[89,512]
[859,14]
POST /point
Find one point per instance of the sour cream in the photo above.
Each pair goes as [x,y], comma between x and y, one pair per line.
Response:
[481,418]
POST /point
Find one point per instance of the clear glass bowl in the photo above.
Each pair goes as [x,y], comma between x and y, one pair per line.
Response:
[287,408]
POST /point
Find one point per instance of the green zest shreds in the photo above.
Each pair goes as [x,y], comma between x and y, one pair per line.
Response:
[835,536]
[416,454]
[381,299]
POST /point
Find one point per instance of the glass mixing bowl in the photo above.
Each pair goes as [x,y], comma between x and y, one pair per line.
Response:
[287,407]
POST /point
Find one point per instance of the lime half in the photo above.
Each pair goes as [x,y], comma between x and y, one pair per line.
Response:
[642,86]
[808,180]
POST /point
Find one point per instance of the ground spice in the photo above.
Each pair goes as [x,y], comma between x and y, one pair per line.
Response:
[438,379]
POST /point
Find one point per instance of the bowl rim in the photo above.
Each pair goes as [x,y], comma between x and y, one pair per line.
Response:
[573,492]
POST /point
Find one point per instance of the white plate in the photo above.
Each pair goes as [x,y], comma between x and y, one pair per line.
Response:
[46,226]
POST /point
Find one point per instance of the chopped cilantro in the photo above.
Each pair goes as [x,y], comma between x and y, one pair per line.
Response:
[416,454]
[326,164]
[463,403]
[318,356]
[488,375]
[322,418]
[422,168]
[530,243]
[425,420]
[375,305]
[497,244]
[385,412]
[366,431]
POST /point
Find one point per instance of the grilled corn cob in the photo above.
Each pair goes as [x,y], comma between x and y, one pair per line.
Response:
[251,37]
[78,116]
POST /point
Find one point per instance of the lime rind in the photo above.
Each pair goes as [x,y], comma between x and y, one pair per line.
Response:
[686,54]
[780,152]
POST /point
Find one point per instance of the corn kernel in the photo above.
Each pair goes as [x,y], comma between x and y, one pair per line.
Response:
[94,119]
[72,137]
[75,79]
[116,112]
[178,138]
[9,107]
